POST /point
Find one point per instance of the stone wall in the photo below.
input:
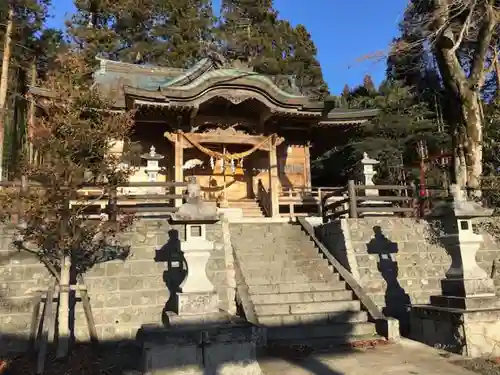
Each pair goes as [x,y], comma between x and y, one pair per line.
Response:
[395,259]
[124,294]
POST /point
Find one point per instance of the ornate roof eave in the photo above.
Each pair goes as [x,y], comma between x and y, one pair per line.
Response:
[106,65]
[236,94]
[349,117]
[231,78]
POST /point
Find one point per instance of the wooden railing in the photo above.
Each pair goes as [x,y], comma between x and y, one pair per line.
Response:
[99,198]
[306,201]
[402,200]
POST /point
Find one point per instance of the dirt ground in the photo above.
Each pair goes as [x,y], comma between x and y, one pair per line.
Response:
[83,360]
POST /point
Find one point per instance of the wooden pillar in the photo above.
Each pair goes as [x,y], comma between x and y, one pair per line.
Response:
[307,165]
[273,178]
[179,162]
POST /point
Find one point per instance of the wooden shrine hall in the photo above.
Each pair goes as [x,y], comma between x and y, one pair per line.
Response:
[245,139]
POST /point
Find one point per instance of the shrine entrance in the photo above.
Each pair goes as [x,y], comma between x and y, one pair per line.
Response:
[229,165]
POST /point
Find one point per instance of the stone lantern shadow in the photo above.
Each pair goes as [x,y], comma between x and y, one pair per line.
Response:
[397,300]
[176,269]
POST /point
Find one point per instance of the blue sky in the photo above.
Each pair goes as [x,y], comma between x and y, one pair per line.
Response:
[344,32]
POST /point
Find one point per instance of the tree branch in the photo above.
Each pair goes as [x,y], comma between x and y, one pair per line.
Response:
[465,28]
[477,72]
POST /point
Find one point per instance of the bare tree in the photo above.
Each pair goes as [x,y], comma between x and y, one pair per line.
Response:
[74,136]
[460,34]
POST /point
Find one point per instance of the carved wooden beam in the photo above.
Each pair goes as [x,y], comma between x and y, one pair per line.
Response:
[227,136]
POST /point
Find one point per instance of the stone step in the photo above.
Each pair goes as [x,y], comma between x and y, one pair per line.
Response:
[325,342]
[269,278]
[287,263]
[267,229]
[249,245]
[272,252]
[307,274]
[311,331]
[296,319]
[307,308]
[340,295]
[405,273]
[277,288]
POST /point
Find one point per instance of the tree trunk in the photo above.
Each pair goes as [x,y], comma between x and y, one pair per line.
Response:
[63,313]
[4,79]
[473,145]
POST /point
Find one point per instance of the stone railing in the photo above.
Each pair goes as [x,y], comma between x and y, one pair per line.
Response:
[387,327]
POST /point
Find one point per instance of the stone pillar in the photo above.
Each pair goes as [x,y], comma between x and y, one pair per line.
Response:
[178,163]
[273,178]
[368,173]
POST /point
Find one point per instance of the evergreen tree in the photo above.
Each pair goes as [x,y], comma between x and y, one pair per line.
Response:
[181,28]
[248,29]
[391,137]
[368,84]
[305,65]
[31,50]
[251,29]
[110,29]
[346,90]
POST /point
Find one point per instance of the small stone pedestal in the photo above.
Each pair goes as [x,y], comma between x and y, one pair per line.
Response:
[199,339]
[465,318]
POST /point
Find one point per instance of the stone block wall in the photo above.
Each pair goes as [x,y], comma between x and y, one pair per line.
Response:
[394,259]
[124,294]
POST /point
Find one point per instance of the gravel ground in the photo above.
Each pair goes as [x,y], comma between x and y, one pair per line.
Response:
[483,366]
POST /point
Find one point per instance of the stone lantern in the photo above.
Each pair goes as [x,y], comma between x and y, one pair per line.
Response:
[199,338]
[152,169]
[369,173]
[465,318]
[198,296]
[464,278]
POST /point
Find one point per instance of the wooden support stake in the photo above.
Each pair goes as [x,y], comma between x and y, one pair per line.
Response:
[46,320]
[88,311]
[351,189]
[34,325]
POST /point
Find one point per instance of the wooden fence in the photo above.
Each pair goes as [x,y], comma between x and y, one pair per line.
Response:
[401,200]
[305,201]
[96,199]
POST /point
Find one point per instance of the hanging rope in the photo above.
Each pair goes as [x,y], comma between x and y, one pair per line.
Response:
[226,157]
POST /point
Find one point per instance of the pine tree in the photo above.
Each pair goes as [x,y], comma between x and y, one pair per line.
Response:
[305,65]
[115,30]
[368,84]
[30,47]
[272,46]
[180,30]
[346,90]
[249,29]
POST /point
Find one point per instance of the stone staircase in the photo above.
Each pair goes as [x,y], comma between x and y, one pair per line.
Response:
[249,206]
[294,291]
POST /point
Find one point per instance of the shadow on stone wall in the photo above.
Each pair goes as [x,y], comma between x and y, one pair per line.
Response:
[176,269]
[396,298]
[335,242]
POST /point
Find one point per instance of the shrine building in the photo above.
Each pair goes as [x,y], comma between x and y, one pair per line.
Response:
[244,139]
